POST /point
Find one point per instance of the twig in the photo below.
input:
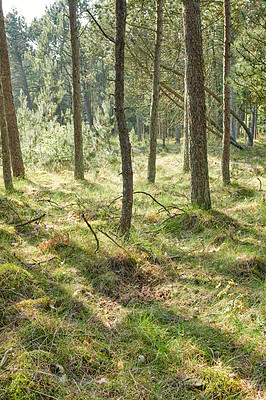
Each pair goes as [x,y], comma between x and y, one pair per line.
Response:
[11,208]
[40,262]
[113,201]
[260,183]
[92,231]
[4,359]
[32,220]
[51,202]
[19,259]
[109,237]
[148,194]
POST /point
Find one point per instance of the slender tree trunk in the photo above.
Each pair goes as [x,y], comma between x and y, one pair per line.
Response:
[85,103]
[11,118]
[199,177]
[125,146]
[185,136]
[155,94]
[226,95]
[139,128]
[90,107]
[7,173]
[177,133]
[233,122]
[79,166]
[253,125]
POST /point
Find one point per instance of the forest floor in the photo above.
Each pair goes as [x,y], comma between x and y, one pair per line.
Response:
[177,312]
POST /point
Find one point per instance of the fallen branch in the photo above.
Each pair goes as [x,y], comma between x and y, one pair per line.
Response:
[51,202]
[156,201]
[32,220]
[40,262]
[112,240]
[113,201]
[92,231]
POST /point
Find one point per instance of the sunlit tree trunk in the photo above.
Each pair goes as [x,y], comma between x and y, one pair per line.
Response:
[185,135]
[226,95]
[199,177]
[155,94]
[125,146]
[7,173]
[79,166]
[11,118]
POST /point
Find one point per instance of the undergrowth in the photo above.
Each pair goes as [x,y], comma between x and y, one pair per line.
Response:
[177,312]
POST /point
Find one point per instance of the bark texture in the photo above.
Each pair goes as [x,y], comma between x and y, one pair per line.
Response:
[78,141]
[11,118]
[226,95]
[185,136]
[155,93]
[7,173]
[125,146]
[199,177]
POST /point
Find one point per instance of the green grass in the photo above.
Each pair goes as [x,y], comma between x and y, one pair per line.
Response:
[179,314]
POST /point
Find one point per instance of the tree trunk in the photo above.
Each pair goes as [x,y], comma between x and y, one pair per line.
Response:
[177,134]
[155,94]
[199,177]
[233,122]
[139,128]
[253,125]
[87,104]
[7,173]
[226,95]
[125,146]
[11,118]
[78,141]
[185,135]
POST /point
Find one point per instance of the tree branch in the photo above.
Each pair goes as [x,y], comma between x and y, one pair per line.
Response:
[92,231]
[32,220]
[101,29]
[148,194]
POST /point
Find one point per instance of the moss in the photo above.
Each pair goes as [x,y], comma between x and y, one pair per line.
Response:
[15,283]
[32,374]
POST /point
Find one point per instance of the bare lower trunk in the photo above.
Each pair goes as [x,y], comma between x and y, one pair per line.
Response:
[11,118]
[78,141]
[199,178]
[226,95]
[155,95]
[7,173]
[125,146]
[185,136]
